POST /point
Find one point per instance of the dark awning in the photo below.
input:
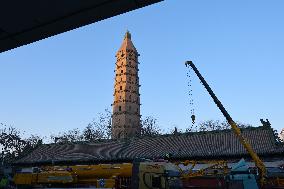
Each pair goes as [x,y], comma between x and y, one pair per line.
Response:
[24,22]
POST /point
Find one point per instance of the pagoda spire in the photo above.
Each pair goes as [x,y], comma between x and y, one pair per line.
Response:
[127,44]
[127,35]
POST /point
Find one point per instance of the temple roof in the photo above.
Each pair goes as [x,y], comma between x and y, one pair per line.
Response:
[201,145]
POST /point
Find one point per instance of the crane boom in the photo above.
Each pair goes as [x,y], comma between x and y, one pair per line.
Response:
[259,164]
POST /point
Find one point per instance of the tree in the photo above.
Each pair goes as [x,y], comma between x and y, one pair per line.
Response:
[105,123]
[73,135]
[212,125]
[215,125]
[99,128]
[92,133]
[34,140]
[13,145]
[149,127]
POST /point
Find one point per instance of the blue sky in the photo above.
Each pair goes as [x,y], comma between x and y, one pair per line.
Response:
[64,81]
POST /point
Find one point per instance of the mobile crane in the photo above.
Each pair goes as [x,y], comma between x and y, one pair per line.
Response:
[259,164]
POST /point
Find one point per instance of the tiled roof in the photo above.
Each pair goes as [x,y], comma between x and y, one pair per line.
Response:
[188,145]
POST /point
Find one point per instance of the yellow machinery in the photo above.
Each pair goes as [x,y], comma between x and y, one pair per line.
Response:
[91,173]
[102,175]
[259,164]
[50,177]
[212,168]
[139,175]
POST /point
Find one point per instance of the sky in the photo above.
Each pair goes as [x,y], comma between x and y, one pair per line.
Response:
[63,82]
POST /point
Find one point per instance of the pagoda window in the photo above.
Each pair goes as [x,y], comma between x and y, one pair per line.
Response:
[120,87]
[121,71]
[119,108]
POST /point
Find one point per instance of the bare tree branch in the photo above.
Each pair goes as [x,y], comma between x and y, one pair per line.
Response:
[215,125]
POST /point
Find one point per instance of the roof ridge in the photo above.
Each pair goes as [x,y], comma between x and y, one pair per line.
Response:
[162,135]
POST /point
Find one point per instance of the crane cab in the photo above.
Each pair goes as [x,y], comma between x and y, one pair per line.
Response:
[155,175]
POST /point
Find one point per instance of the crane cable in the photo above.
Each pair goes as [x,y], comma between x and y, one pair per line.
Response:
[189,84]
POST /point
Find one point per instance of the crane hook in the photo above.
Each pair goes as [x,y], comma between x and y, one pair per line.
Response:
[193,118]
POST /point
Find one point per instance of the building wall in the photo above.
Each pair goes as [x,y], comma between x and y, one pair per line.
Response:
[281,135]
